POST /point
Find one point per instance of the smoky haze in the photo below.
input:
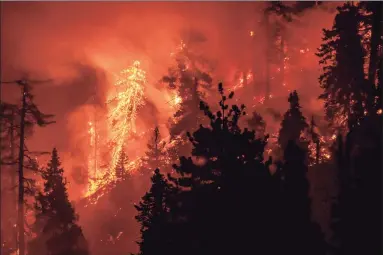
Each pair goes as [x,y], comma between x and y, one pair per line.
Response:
[81,45]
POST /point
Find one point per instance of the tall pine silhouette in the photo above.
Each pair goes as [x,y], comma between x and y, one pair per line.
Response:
[154,217]
[55,228]
[304,236]
[293,124]
[343,79]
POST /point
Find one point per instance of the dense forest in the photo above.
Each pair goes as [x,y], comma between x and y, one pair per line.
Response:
[220,182]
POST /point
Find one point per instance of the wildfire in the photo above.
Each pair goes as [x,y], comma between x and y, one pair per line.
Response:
[123,104]
[241,81]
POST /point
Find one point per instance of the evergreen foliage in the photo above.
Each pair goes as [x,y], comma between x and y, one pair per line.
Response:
[343,82]
[293,124]
[224,199]
[56,230]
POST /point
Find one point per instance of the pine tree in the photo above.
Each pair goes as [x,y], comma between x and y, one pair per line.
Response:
[342,56]
[153,216]
[56,229]
[120,170]
[232,170]
[304,236]
[293,123]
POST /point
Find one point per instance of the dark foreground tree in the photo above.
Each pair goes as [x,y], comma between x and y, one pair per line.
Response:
[28,116]
[356,214]
[343,79]
[225,199]
[304,236]
[55,229]
[153,215]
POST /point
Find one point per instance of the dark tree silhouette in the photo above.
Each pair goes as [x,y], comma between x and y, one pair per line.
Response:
[357,210]
[342,80]
[304,236]
[224,199]
[293,124]
[154,217]
[29,115]
[56,229]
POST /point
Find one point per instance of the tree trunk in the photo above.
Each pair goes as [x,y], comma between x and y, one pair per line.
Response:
[317,152]
[21,176]
[13,175]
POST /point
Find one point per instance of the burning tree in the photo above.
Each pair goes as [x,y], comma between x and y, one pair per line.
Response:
[123,105]
[191,83]
[120,169]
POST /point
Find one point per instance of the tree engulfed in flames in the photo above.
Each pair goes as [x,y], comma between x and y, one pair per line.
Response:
[122,105]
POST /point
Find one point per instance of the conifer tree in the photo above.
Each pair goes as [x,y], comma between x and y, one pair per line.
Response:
[293,123]
[56,228]
[342,56]
[153,216]
[120,170]
[232,170]
[306,236]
